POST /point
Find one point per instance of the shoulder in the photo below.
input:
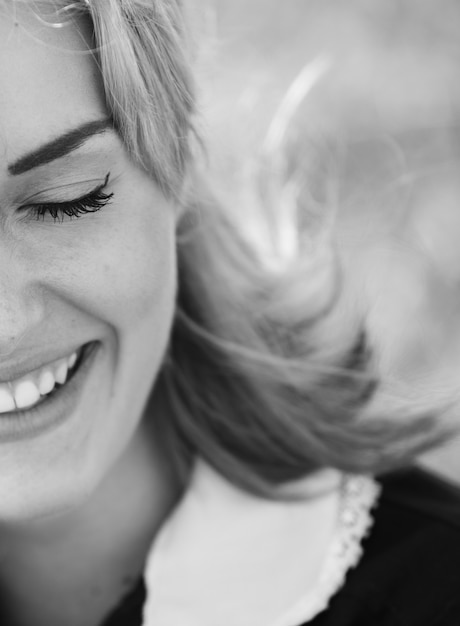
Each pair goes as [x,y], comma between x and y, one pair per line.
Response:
[410,570]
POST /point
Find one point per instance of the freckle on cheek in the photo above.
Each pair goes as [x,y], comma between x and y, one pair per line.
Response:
[149,288]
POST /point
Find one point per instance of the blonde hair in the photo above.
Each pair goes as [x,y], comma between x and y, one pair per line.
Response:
[269,376]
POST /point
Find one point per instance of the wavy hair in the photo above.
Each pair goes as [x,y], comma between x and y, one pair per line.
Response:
[269,375]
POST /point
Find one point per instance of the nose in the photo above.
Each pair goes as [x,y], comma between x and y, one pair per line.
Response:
[20,309]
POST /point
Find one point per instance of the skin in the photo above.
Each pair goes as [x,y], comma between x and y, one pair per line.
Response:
[79,504]
[66,533]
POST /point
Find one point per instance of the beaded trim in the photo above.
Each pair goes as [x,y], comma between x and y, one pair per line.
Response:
[359,496]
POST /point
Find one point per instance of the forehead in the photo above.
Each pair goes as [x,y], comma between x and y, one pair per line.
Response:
[48,80]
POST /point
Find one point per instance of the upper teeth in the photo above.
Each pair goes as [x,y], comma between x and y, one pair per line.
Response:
[24,392]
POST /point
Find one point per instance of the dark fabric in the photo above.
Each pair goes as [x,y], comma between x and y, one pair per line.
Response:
[409,574]
[129,613]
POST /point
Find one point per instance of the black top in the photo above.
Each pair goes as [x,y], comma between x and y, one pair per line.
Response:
[409,574]
[410,571]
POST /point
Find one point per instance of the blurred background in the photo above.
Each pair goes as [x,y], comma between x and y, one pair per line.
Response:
[350,111]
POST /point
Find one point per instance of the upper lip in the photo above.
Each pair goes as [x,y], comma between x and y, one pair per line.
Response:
[20,368]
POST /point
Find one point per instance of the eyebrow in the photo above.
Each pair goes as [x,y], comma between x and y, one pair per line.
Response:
[59,147]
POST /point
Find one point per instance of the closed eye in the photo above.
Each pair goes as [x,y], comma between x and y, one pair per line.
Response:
[92,202]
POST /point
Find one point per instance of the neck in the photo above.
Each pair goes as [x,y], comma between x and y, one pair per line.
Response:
[91,556]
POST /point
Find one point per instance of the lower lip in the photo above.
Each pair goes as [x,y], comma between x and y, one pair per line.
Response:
[52,411]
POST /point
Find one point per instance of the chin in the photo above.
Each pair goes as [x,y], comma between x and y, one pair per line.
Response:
[34,499]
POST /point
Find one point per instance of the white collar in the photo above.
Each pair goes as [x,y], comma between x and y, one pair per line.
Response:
[227,558]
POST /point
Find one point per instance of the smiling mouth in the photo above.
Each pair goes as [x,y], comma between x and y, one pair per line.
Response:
[38,386]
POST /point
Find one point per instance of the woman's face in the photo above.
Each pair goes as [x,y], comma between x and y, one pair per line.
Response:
[87,270]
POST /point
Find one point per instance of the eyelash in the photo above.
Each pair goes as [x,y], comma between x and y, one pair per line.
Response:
[91,203]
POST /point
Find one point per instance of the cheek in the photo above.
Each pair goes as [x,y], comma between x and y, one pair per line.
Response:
[130,276]
[119,271]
